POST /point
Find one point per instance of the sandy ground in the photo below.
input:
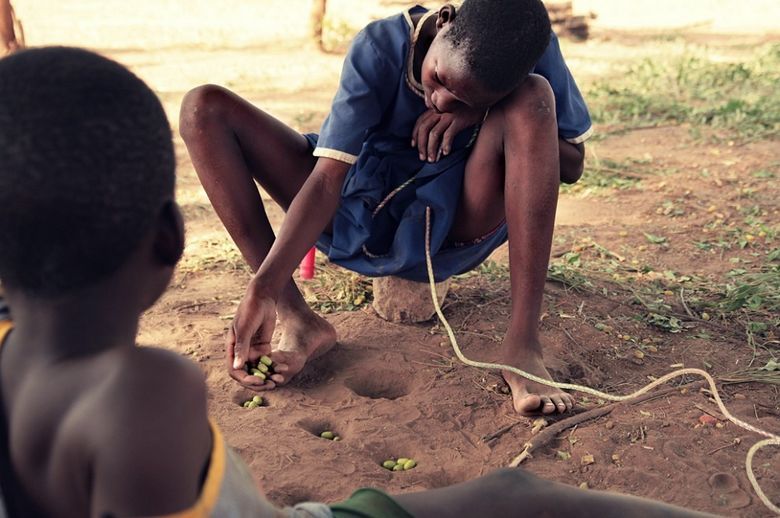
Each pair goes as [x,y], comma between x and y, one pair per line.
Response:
[396,390]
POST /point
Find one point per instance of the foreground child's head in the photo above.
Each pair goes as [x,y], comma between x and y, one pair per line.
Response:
[483,51]
[86,175]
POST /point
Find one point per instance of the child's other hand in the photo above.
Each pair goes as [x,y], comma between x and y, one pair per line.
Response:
[433,132]
[250,337]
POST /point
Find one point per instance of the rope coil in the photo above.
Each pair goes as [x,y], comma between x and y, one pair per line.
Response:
[771,440]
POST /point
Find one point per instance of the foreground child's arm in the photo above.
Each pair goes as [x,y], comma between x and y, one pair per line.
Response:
[308,215]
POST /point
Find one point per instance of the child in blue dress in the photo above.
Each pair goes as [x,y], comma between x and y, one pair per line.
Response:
[471,112]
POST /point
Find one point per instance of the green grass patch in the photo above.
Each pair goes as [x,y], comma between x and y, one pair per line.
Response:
[739,98]
[602,174]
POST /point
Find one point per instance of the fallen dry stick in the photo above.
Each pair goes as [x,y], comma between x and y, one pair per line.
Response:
[551,432]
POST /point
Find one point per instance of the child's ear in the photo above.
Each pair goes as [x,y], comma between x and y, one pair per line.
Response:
[169,241]
[446,15]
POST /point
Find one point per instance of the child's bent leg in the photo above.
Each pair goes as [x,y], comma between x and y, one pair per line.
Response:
[232,144]
[513,173]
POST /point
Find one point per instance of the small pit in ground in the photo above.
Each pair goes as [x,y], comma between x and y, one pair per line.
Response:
[246,395]
[317,426]
[379,385]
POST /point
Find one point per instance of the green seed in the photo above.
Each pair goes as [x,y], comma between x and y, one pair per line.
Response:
[402,460]
[388,464]
[328,435]
[246,404]
[409,464]
[252,404]
[265,360]
[262,368]
[259,374]
[258,400]
[398,467]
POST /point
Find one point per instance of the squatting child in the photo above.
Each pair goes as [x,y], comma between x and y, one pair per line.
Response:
[91,424]
[471,112]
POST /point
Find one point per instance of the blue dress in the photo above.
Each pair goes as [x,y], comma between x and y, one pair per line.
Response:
[370,126]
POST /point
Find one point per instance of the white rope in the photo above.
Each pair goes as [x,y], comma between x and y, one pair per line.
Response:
[772,439]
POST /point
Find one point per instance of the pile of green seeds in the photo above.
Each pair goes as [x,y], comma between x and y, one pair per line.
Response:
[255,402]
[401,464]
[327,434]
[263,369]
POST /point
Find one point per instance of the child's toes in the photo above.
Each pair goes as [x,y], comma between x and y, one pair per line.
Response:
[548,406]
[529,405]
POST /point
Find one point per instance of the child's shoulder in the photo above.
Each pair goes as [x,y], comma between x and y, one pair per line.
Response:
[388,32]
[155,437]
[149,381]
[158,366]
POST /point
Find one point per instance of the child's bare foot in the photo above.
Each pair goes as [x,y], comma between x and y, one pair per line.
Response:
[303,337]
[531,398]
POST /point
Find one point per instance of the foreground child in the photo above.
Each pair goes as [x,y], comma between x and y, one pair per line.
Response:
[91,424]
[403,134]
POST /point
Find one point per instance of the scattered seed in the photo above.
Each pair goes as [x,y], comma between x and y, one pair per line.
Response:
[410,464]
[328,435]
[389,464]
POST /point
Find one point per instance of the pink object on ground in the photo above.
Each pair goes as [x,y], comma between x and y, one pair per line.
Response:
[307,265]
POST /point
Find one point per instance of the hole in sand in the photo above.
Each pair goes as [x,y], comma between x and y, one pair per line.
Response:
[289,495]
[317,426]
[242,396]
[379,385]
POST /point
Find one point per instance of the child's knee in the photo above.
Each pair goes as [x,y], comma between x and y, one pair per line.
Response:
[532,102]
[201,107]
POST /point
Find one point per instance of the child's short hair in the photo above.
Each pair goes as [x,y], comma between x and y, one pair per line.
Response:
[86,163]
[502,39]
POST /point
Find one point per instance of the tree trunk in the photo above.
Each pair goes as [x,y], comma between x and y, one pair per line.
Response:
[316,17]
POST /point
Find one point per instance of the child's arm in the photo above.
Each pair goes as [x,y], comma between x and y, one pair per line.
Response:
[504,492]
[308,215]
[150,437]
[572,159]
[366,89]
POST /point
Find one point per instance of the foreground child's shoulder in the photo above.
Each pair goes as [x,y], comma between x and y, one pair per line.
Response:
[156,439]
[146,378]
[158,386]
